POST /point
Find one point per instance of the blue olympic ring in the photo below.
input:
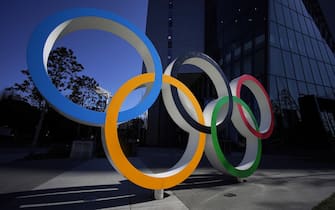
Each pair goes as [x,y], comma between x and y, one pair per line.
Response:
[42,41]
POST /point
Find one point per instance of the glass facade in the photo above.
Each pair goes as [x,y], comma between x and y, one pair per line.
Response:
[298,53]
[238,39]
[300,62]
[279,43]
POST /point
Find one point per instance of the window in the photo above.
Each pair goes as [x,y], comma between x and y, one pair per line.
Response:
[330,55]
[247,46]
[259,39]
[282,90]
[321,90]
[237,69]
[302,89]
[316,49]
[309,27]
[289,68]
[315,71]
[293,91]
[228,58]
[292,4]
[316,31]
[283,37]
[299,6]
[329,92]
[331,74]
[292,40]
[279,14]
[301,44]
[303,9]
[285,2]
[287,16]
[273,88]
[237,52]
[323,73]
[276,62]
[303,24]
[323,51]
[308,47]
[298,67]
[307,69]
[295,20]
[312,89]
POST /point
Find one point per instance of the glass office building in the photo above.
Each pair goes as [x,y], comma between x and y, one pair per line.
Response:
[288,46]
[301,70]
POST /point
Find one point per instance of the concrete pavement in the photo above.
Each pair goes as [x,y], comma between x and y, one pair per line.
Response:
[281,182]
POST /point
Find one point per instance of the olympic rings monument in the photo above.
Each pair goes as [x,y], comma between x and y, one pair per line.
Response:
[182,106]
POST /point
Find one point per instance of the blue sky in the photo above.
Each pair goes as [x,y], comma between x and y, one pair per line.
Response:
[107,58]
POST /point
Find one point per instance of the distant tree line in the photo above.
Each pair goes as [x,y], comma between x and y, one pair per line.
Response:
[67,75]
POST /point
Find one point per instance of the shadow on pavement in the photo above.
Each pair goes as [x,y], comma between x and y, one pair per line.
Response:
[206,181]
[84,197]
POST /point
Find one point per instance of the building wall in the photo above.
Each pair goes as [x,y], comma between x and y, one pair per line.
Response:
[175,28]
[277,41]
[182,20]
[300,63]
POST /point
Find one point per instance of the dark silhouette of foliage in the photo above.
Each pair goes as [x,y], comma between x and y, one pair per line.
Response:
[64,72]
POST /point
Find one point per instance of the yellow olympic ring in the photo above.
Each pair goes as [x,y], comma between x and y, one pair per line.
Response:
[113,147]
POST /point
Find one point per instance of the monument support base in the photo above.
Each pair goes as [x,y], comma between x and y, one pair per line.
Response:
[159,194]
[241,180]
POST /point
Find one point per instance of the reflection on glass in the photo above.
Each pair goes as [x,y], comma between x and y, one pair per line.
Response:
[302,89]
[292,4]
[308,22]
[283,37]
[323,73]
[272,15]
[308,46]
[293,90]
[287,17]
[315,71]
[292,41]
[301,44]
[295,20]
[323,51]
[303,25]
[298,67]
[279,13]
[273,88]
[312,89]
[289,69]
[330,93]
[331,74]
[298,6]
[321,90]
[307,70]
[316,49]
[330,56]
[276,62]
